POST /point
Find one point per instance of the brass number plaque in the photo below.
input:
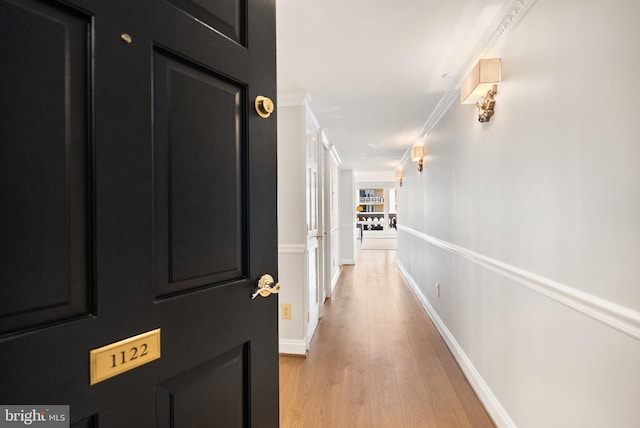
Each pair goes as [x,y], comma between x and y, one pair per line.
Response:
[127,354]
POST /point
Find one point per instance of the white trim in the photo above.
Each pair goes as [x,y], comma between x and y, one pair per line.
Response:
[406,157]
[347,262]
[292,347]
[491,403]
[291,249]
[290,100]
[311,117]
[324,140]
[616,316]
[335,155]
[336,277]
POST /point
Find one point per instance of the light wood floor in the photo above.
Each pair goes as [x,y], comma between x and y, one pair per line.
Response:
[376,360]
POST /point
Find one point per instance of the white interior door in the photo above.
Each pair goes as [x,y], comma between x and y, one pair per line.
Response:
[314,230]
[322,228]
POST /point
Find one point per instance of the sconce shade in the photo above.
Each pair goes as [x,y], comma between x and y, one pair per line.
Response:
[417,153]
[399,176]
[485,74]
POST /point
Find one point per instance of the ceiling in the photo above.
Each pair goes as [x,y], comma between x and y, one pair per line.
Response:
[375,70]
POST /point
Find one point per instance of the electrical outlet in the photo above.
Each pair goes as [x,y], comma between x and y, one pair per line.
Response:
[285,311]
[437,289]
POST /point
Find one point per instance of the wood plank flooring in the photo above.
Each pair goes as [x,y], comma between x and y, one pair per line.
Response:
[376,360]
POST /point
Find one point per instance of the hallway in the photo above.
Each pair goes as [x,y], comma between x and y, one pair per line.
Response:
[376,360]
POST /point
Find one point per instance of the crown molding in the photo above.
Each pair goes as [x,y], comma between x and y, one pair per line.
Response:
[311,117]
[505,21]
[335,155]
[405,158]
[294,99]
[300,99]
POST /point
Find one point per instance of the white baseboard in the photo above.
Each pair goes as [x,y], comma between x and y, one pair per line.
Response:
[491,403]
[293,347]
[334,280]
[347,262]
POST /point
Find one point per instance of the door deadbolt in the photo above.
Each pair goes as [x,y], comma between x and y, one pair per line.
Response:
[264,106]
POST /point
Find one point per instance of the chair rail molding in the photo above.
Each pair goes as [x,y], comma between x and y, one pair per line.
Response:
[291,248]
[614,315]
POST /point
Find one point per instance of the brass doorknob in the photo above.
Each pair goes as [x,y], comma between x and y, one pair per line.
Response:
[264,106]
[266,287]
[319,237]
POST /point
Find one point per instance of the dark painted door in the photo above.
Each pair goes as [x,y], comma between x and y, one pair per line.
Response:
[138,192]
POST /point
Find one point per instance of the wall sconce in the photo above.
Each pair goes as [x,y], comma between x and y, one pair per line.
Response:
[480,86]
[417,154]
[399,176]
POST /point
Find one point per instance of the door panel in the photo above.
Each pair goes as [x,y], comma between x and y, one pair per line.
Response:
[186,400]
[44,187]
[199,239]
[140,187]
[90,422]
[227,17]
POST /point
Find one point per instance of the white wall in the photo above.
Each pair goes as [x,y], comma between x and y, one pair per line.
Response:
[295,119]
[531,223]
[376,177]
[292,233]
